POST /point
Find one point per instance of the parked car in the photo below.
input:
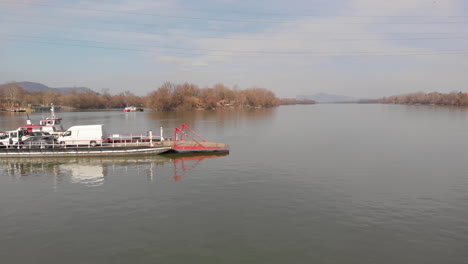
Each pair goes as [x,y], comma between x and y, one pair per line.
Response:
[38,142]
[35,134]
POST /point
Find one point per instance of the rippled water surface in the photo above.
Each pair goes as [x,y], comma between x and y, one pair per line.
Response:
[302,184]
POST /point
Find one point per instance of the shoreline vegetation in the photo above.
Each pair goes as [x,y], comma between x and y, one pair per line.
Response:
[187,96]
[434,98]
[167,97]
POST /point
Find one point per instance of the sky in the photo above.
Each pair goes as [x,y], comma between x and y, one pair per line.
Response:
[357,48]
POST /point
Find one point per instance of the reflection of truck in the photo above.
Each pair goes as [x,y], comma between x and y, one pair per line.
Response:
[90,135]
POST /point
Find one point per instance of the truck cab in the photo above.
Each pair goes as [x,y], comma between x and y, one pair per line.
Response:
[11,138]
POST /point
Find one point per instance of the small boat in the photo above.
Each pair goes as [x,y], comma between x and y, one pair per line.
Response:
[133,109]
[17,110]
[51,125]
[40,108]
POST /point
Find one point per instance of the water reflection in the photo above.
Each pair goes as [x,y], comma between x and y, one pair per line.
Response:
[94,171]
[220,116]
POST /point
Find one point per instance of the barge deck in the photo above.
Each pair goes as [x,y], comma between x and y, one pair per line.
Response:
[188,146]
[185,141]
[129,149]
[188,141]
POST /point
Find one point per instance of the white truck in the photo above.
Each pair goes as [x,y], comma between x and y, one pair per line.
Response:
[90,135]
[11,138]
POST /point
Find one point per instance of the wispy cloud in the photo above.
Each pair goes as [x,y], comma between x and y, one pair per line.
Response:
[359,47]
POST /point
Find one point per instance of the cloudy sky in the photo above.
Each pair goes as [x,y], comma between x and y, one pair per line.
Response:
[358,48]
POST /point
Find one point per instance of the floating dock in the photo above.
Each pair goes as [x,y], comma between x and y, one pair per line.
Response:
[186,140]
[186,146]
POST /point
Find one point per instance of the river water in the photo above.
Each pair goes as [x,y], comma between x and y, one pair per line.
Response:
[324,183]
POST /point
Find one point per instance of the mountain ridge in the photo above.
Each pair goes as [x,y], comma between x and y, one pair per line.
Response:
[39,87]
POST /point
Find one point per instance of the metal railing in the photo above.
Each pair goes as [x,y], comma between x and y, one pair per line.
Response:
[133,140]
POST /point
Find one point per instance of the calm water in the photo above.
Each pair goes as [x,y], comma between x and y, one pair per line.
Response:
[302,184]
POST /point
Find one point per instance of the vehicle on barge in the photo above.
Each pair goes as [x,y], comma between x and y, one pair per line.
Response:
[91,140]
[88,140]
[50,126]
[50,147]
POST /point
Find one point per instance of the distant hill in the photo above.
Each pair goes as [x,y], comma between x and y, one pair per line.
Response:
[39,87]
[327,98]
[33,87]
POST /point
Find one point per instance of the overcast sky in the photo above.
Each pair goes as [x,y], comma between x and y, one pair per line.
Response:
[358,48]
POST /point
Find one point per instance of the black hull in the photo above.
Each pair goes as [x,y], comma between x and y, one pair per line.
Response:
[81,151]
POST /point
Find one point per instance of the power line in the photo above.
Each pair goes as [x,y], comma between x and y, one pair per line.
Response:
[234,20]
[229,38]
[315,14]
[180,48]
[154,25]
[125,31]
[145,14]
[259,53]
[256,12]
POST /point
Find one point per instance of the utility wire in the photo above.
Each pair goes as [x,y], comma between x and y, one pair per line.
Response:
[256,12]
[244,12]
[149,25]
[225,20]
[262,53]
[94,42]
[223,37]
[125,31]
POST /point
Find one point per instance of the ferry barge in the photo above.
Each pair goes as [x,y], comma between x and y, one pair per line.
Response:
[91,140]
[88,140]
[105,150]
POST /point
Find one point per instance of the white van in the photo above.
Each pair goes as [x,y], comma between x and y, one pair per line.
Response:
[90,135]
[11,138]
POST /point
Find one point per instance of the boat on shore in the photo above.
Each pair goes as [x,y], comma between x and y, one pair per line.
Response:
[17,110]
[133,109]
[44,108]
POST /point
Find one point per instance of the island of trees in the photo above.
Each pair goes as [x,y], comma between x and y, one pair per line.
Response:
[167,97]
[454,99]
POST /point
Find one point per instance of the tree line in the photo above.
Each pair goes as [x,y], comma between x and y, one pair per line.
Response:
[435,98]
[13,95]
[187,96]
[293,101]
[167,97]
